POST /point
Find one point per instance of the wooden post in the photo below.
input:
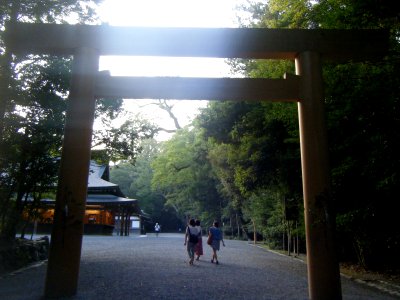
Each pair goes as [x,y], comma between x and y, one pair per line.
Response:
[127,222]
[118,222]
[66,237]
[323,268]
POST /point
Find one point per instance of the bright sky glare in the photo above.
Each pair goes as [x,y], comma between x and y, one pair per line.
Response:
[171,13]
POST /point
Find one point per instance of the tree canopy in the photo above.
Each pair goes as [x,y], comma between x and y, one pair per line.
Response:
[33,93]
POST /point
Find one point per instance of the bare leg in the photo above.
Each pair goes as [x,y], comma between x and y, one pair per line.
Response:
[214,257]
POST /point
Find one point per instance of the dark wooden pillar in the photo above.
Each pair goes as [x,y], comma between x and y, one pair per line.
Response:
[66,237]
[127,222]
[122,221]
[323,268]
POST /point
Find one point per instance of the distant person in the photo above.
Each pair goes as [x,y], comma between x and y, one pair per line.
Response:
[198,250]
[215,234]
[191,239]
[157,228]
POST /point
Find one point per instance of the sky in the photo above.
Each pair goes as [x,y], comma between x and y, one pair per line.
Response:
[171,13]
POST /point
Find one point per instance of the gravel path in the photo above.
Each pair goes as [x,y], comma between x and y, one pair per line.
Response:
[156,268]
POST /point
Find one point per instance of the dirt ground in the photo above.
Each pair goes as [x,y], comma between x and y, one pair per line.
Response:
[388,281]
[358,272]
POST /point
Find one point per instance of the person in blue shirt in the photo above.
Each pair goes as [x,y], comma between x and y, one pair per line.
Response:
[215,234]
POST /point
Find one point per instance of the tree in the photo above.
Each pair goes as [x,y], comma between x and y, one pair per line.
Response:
[361,112]
[168,106]
[257,155]
[19,151]
[34,11]
[123,143]
[35,130]
[184,177]
[363,108]
[33,138]
[33,90]
[135,181]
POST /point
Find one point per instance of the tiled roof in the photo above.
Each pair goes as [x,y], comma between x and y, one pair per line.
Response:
[95,173]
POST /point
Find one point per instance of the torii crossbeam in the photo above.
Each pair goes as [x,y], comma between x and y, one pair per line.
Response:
[307,47]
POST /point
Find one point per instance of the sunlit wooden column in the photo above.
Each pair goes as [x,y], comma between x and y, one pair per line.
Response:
[323,267]
[66,238]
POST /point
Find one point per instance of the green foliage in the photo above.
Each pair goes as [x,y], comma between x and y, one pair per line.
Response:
[135,182]
[47,11]
[258,208]
[184,177]
[355,14]
[33,136]
[286,14]
[362,109]
[123,143]
[253,148]
[261,153]
[361,116]
[32,110]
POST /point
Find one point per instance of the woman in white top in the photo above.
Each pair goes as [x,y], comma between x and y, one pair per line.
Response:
[191,239]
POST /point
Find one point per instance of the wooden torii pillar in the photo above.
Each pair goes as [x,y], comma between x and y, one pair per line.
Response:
[67,231]
[307,47]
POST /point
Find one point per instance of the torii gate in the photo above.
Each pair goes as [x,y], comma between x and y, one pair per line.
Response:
[86,43]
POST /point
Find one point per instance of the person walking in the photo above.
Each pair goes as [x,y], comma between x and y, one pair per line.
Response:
[215,238]
[198,250]
[191,239]
[157,228]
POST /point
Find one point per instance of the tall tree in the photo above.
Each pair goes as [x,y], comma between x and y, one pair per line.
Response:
[184,177]
[135,181]
[123,142]
[32,139]
[31,11]
[32,107]
[257,155]
[362,112]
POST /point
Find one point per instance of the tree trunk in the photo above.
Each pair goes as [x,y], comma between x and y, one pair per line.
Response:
[237,224]
[254,232]
[289,239]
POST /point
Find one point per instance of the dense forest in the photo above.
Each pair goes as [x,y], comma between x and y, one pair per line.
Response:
[238,162]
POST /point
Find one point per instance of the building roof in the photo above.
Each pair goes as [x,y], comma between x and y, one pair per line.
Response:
[98,181]
[103,192]
[108,199]
[95,179]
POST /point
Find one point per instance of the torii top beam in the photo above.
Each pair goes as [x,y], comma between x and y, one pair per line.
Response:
[258,43]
